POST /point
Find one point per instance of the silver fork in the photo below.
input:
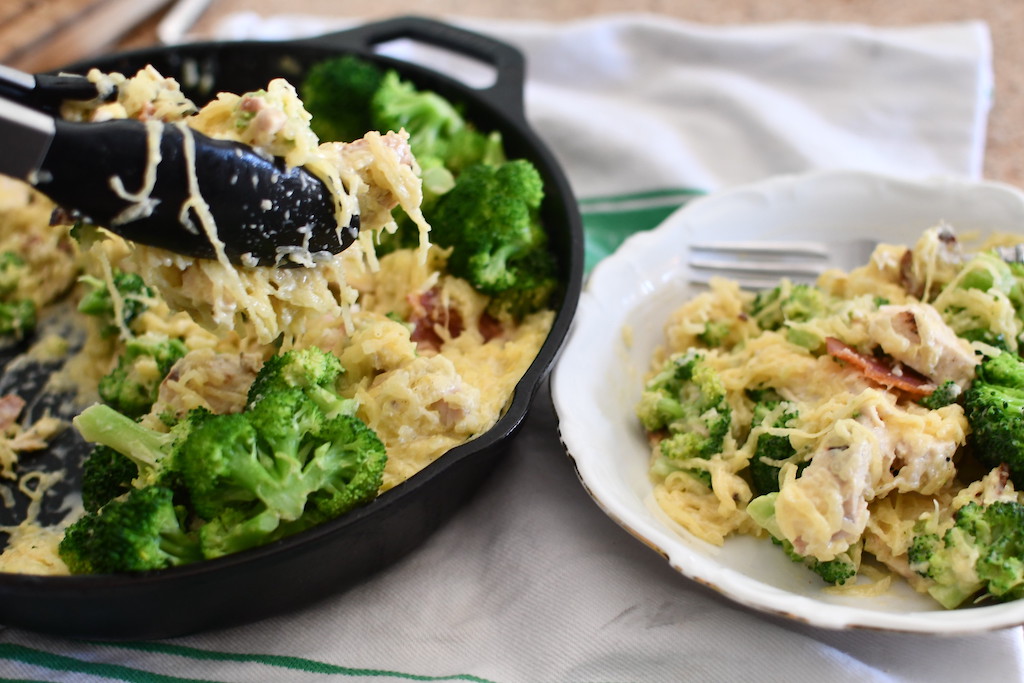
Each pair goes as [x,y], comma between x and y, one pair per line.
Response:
[761,264]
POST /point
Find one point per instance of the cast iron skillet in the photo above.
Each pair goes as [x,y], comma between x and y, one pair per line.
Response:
[333,557]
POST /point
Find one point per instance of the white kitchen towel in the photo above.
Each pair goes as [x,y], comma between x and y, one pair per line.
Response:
[531,581]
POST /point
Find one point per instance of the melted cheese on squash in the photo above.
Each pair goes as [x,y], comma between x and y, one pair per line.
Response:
[876,461]
[422,400]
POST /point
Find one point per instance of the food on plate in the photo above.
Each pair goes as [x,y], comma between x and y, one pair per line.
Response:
[869,425]
[227,406]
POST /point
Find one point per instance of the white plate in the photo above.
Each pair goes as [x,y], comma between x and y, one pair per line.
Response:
[620,320]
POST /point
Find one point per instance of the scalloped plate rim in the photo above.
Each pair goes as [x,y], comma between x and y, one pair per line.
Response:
[619,286]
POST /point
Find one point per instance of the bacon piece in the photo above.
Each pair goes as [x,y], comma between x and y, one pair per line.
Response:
[490,327]
[10,408]
[429,310]
[877,370]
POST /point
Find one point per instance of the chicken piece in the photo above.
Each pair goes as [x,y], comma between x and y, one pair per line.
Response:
[917,336]
[883,446]
[825,510]
[207,379]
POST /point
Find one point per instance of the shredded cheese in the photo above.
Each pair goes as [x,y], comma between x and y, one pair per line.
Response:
[869,461]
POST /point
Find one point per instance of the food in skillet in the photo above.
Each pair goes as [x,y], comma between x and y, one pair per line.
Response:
[870,425]
[233,406]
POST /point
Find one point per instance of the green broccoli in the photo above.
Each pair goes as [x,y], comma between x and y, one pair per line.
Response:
[987,272]
[12,270]
[771,448]
[17,318]
[714,333]
[313,370]
[295,456]
[281,466]
[106,474]
[686,402]
[983,318]
[994,406]
[338,92]
[788,305]
[132,386]
[945,394]
[438,134]
[535,284]
[151,452]
[837,571]
[132,291]
[17,315]
[490,221]
[141,531]
[476,201]
[981,553]
[986,336]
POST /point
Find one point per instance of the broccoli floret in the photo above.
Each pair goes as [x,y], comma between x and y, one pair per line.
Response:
[313,370]
[945,394]
[994,406]
[687,396]
[536,282]
[17,315]
[295,456]
[790,303]
[106,474]
[837,571]
[714,333]
[17,318]
[132,386]
[152,452]
[988,272]
[476,202]
[771,448]
[983,552]
[139,532]
[686,401]
[132,291]
[985,336]
[986,301]
[338,92]
[12,270]
[490,221]
[276,468]
[443,142]
[438,134]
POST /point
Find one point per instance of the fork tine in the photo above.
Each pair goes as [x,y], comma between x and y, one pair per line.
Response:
[746,282]
[795,248]
[778,268]
[760,264]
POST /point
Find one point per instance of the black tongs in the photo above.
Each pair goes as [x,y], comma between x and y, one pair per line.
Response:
[260,208]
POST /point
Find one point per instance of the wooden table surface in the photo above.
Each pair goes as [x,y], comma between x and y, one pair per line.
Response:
[39,34]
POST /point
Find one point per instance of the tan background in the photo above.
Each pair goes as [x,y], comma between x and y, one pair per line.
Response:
[28,30]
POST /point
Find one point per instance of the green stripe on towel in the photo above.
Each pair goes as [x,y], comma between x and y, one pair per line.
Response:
[608,221]
[286,662]
[55,662]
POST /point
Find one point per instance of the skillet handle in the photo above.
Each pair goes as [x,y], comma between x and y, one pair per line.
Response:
[507,91]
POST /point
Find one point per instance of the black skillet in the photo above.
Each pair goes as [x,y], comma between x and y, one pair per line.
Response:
[334,557]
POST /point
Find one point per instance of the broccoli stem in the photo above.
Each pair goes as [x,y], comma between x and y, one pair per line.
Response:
[104,425]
